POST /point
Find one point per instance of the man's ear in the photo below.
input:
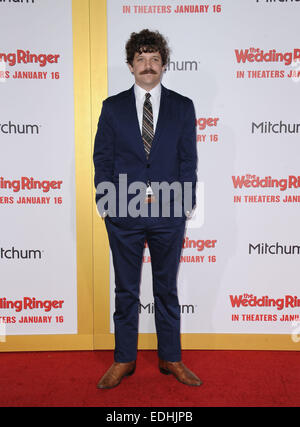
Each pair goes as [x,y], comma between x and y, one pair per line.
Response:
[130,67]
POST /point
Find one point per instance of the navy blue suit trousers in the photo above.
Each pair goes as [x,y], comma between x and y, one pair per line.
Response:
[127,238]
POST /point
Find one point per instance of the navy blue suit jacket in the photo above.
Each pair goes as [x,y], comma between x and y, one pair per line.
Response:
[119,146]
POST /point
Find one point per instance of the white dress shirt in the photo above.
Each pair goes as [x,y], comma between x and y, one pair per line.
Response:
[154,99]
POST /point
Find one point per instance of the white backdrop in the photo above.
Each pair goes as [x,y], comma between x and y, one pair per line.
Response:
[243,100]
[38,235]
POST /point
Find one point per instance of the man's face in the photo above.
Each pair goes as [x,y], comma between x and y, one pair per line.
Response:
[147,69]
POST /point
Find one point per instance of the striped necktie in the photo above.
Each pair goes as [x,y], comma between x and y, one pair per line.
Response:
[147,129]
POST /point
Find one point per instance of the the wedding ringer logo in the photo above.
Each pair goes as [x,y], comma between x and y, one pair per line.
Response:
[254,181]
[26,183]
[30,303]
[26,57]
[259,55]
[249,300]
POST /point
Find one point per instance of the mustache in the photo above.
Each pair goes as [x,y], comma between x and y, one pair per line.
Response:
[149,71]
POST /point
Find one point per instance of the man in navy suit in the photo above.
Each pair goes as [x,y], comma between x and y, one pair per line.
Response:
[146,136]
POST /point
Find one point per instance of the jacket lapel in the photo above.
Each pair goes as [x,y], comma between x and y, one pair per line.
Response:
[133,118]
[162,118]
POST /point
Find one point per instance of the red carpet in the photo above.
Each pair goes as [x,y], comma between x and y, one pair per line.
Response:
[231,378]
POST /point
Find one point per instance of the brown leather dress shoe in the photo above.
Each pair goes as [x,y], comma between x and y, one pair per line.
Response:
[180,372]
[115,373]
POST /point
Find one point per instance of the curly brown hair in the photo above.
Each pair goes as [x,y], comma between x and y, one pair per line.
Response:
[147,41]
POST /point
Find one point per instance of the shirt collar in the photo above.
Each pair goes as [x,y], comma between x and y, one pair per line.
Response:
[140,92]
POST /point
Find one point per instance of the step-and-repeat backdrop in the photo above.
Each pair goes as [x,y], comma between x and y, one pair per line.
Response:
[239,61]
[240,64]
[38,290]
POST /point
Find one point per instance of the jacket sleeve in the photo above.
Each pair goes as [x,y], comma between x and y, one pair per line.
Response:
[188,151]
[104,150]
